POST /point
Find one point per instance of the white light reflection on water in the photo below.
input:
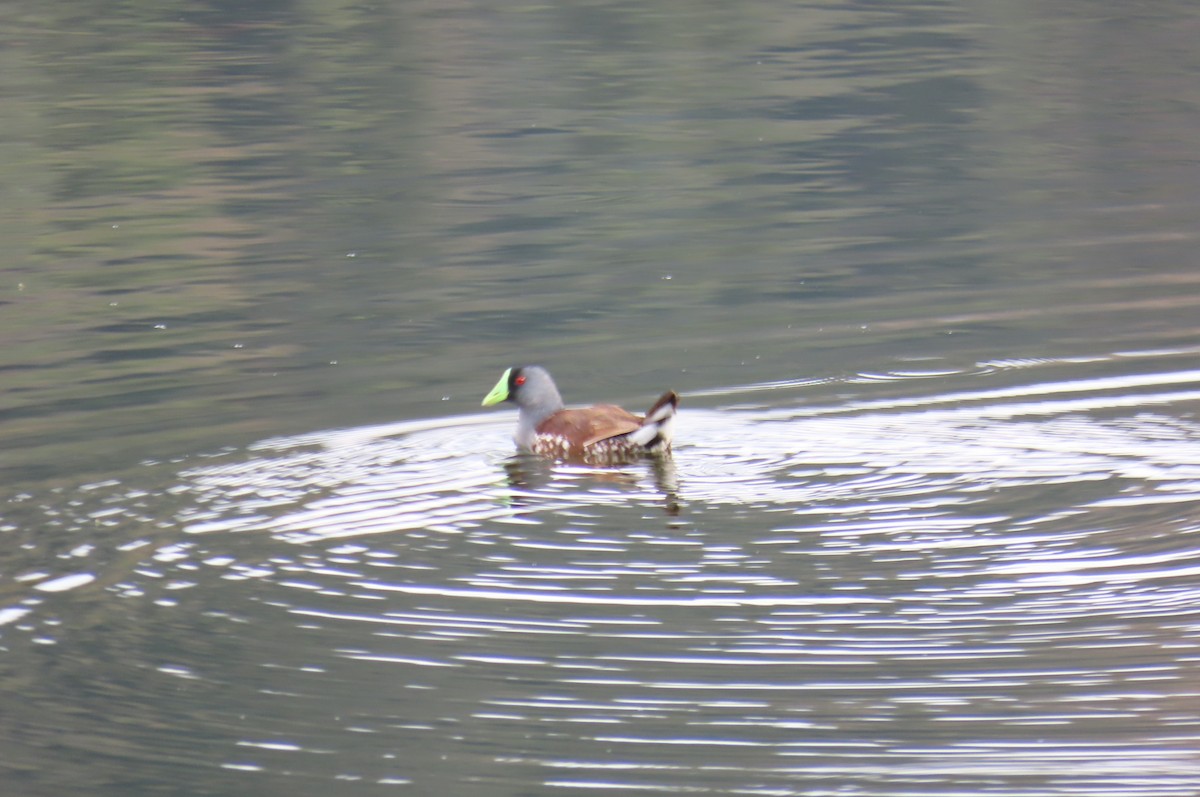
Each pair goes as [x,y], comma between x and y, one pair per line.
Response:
[975,587]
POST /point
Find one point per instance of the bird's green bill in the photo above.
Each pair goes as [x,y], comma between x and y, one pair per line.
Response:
[499,392]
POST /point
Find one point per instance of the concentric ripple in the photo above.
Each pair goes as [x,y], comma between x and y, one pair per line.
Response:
[990,588]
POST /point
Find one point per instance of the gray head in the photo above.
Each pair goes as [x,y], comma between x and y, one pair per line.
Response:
[530,388]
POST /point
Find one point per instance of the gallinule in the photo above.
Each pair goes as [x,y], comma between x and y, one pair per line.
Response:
[597,435]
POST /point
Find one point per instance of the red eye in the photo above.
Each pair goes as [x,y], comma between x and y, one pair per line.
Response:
[520,380]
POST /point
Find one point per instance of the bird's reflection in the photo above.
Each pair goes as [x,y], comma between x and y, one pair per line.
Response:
[528,476]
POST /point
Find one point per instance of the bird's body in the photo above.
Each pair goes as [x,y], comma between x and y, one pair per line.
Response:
[601,434]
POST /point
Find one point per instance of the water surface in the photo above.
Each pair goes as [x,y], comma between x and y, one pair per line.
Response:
[923,273]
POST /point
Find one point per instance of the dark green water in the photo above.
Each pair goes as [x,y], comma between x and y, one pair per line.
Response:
[924,273]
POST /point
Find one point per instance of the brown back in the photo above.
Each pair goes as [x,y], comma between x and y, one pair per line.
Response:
[590,425]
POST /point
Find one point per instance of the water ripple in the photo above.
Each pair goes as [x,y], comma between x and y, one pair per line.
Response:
[961,585]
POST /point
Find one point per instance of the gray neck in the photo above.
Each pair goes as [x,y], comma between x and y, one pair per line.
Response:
[537,399]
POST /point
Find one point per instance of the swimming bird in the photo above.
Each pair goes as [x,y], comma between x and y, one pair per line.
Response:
[597,435]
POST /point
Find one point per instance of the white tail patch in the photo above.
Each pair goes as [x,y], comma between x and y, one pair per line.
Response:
[660,414]
[656,435]
[659,426]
